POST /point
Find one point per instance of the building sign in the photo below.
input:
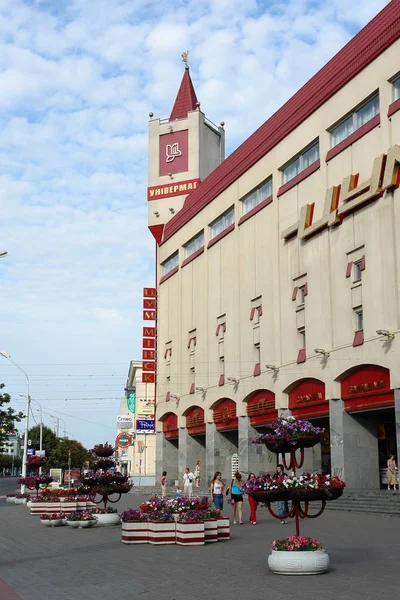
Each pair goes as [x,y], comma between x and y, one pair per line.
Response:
[361,388]
[348,197]
[146,407]
[149,336]
[224,415]
[124,422]
[261,408]
[123,440]
[307,399]
[145,426]
[174,152]
[170,427]
[195,423]
[173,189]
[367,387]
[131,401]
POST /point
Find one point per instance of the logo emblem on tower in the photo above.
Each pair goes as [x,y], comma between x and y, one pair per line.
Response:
[172,151]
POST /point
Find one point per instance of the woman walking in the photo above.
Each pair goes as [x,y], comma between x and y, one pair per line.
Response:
[252,504]
[217,491]
[282,505]
[391,473]
[235,495]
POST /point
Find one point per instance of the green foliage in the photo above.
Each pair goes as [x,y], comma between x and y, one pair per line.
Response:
[8,418]
[6,461]
[57,449]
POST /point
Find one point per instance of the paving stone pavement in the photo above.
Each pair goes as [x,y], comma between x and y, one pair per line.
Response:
[61,563]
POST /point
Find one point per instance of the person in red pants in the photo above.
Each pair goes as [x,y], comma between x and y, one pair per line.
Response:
[252,504]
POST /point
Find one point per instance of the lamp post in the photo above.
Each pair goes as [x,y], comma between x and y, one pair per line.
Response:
[28,406]
[3,253]
[41,425]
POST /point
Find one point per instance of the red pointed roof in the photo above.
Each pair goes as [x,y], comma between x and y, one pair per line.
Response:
[186,98]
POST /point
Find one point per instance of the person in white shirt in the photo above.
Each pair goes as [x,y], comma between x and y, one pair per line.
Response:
[188,479]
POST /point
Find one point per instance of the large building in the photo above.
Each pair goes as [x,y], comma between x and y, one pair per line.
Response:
[278,281]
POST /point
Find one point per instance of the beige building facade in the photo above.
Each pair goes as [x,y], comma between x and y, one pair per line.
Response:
[278,277]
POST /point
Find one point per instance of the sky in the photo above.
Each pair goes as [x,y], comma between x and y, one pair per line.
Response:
[77,82]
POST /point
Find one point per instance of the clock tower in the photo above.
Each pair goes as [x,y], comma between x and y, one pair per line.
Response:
[183,150]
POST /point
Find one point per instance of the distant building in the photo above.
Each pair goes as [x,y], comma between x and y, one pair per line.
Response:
[136,421]
[278,281]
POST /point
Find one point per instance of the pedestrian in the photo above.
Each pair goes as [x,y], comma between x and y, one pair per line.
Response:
[391,473]
[164,485]
[188,479]
[217,491]
[282,505]
[252,503]
[197,474]
[236,497]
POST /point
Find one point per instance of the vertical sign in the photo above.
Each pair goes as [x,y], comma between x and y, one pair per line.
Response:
[149,335]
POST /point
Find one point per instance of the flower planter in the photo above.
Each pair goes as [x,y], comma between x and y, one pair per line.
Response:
[307,495]
[270,496]
[38,508]
[87,524]
[107,520]
[135,532]
[55,522]
[162,532]
[210,531]
[334,493]
[190,534]
[73,524]
[298,563]
[223,529]
[46,523]
[69,507]
[53,507]
[81,505]
[281,447]
[10,500]
[20,500]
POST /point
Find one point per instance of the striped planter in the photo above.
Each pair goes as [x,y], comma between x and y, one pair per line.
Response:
[190,534]
[162,532]
[90,505]
[38,508]
[53,507]
[135,532]
[210,531]
[224,529]
[81,504]
[69,507]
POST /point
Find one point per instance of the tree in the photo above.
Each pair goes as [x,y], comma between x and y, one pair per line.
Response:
[50,441]
[79,454]
[8,418]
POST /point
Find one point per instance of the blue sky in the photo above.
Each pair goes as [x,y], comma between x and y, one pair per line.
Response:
[77,82]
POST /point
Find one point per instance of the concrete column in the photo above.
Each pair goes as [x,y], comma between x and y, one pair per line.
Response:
[253,457]
[159,455]
[219,450]
[211,440]
[183,451]
[354,447]
[166,459]
[397,418]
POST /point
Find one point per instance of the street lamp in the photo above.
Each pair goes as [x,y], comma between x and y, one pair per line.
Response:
[28,406]
[3,253]
[41,425]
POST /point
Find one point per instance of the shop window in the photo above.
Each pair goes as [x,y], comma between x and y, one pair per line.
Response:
[396,89]
[300,162]
[222,223]
[170,264]
[194,245]
[261,193]
[355,120]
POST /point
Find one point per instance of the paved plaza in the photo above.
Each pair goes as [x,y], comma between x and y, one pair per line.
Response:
[87,564]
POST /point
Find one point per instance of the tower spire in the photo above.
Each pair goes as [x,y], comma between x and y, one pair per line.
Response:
[186,99]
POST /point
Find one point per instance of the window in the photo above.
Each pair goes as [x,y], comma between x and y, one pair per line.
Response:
[359,320]
[302,294]
[396,89]
[222,223]
[357,271]
[302,334]
[170,264]
[301,162]
[354,121]
[195,244]
[257,196]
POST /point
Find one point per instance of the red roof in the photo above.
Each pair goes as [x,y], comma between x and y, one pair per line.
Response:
[369,43]
[186,98]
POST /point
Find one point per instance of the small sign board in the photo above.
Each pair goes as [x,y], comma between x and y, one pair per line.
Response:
[123,440]
[71,474]
[145,426]
[56,474]
[30,451]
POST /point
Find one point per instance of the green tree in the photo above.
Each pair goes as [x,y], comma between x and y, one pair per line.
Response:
[50,442]
[8,418]
[79,454]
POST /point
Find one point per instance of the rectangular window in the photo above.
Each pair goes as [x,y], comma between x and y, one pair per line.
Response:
[301,162]
[170,264]
[357,119]
[359,320]
[195,244]
[302,294]
[302,334]
[222,223]
[357,271]
[396,89]
[257,196]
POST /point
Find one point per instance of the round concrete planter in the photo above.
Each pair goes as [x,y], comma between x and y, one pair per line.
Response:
[46,523]
[298,563]
[86,524]
[107,520]
[74,524]
[56,522]
[10,500]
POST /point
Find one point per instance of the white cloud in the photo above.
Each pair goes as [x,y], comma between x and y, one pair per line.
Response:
[78,80]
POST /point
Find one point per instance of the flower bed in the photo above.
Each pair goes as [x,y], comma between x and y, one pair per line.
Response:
[298,555]
[81,519]
[287,433]
[106,516]
[305,487]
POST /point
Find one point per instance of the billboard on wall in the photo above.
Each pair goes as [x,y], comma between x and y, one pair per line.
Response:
[124,422]
[145,426]
[131,401]
[145,406]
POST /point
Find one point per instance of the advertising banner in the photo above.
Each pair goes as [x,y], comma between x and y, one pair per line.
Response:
[145,426]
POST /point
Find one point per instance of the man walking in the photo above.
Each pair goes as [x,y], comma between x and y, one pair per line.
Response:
[188,479]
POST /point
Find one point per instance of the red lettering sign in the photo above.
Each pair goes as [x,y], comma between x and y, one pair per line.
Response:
[149,315]
[149,343]
[149,292]
[149,303]
[149,332]
[182,188]
[148,377]
[148,355]
[148,366]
